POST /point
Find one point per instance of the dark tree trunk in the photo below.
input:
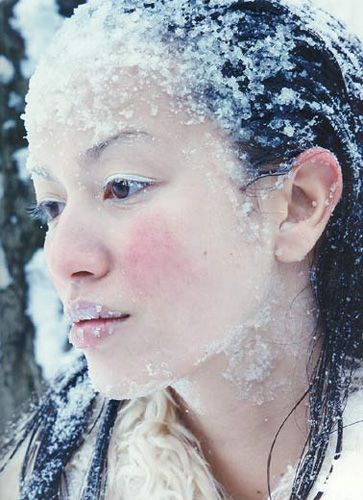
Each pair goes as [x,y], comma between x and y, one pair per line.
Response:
[19,237]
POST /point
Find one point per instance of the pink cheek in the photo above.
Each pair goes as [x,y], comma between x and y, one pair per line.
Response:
[154,260]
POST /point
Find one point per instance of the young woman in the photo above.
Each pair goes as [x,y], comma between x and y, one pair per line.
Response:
[198,165]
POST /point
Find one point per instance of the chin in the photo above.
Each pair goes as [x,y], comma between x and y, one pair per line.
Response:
[122,387]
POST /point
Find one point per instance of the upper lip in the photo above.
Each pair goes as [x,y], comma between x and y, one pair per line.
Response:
[80,310]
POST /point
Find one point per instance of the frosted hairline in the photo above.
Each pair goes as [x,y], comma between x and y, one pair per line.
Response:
[94,41]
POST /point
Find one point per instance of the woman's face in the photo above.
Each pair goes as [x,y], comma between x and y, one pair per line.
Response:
[188,258]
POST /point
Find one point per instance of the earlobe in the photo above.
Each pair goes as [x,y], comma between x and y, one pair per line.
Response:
[312,192]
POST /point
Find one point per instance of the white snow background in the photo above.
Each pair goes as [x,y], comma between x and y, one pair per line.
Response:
[36,21]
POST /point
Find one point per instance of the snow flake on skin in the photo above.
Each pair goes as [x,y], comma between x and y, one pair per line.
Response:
[161,369]
[189,391]
[250,366]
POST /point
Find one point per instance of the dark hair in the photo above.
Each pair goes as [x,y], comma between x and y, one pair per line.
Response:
[323,107]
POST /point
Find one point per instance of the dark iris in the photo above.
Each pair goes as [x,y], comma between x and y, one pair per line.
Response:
[51,209]
[120,188]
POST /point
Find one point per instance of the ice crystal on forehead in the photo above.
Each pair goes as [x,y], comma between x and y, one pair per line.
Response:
[246,64]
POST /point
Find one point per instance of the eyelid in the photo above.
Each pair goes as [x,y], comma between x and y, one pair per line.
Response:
[47,200]
[129,177]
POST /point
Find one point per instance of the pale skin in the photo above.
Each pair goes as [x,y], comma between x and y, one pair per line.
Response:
[237,436]
[191,270]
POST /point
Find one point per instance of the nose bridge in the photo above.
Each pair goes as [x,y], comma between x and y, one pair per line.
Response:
[77,246]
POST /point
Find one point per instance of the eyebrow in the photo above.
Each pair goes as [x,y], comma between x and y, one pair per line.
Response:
[94,152]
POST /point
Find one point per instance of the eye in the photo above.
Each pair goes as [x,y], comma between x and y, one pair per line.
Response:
[122,188]
[44,212]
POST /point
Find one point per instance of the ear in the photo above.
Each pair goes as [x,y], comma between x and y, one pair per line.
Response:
[312,190]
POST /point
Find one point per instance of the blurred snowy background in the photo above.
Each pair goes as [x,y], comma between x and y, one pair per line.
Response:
[348,11]
[36,21]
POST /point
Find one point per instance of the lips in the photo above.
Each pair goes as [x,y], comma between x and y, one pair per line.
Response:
[90,333]
[92,322]
[81,310]
[99,321]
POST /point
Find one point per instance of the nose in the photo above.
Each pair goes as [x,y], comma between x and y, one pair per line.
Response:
[75,248]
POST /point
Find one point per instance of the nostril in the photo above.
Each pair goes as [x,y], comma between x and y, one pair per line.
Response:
[81,274]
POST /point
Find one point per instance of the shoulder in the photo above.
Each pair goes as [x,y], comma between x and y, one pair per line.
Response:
[346,481]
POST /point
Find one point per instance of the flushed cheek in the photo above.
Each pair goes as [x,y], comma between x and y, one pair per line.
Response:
[154,260]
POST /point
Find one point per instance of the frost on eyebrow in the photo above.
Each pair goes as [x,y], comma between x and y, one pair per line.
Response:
[36,171]
[213,59]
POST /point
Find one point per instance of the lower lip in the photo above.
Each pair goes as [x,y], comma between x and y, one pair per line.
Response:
[92,332]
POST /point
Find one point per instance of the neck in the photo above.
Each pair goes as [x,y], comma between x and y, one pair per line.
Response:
[236,401]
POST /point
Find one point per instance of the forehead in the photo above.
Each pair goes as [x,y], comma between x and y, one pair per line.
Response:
[109,70]
[97,80]
[121,111]
[162,143]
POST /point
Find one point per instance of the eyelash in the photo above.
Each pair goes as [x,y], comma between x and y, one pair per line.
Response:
[38,212]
